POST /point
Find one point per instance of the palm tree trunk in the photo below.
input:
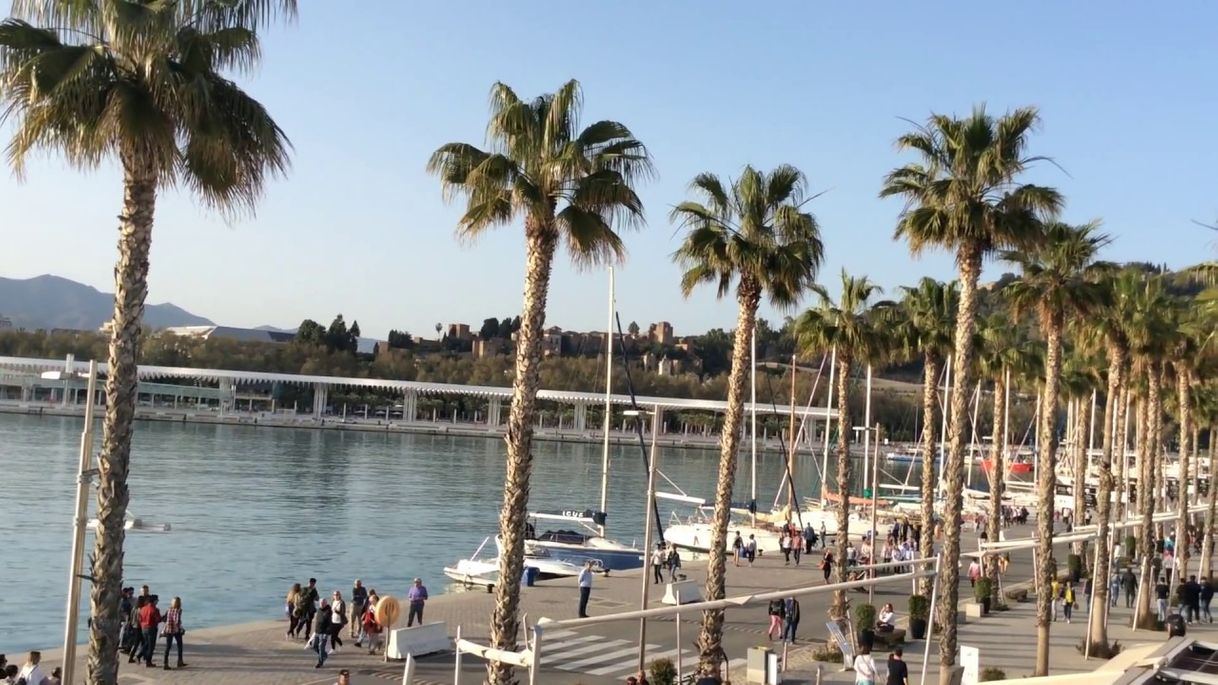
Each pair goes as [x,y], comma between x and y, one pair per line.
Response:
[1079,448]
[968,258]
[930,405]
[710,639]
[1207,542]
[1146,498]
[114,462]
[1103,504]
[1185,402]
[843,477]
[1045,488]
[539,255]
[1155,417]
[998,466]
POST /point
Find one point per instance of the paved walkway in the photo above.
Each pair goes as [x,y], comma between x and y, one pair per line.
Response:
[260,654]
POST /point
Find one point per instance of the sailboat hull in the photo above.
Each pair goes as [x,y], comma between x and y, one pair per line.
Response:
[607,558]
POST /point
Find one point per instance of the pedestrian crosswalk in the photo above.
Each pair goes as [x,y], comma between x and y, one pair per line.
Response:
[567,650]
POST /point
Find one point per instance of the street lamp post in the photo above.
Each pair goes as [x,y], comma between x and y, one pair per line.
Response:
[84,478]
[647,516]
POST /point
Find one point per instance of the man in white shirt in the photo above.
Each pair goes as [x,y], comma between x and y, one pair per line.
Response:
[585,588]
[31,671]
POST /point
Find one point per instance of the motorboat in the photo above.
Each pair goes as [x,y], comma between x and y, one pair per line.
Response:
[133,523]
[694,532]
[475,571]
[585,543]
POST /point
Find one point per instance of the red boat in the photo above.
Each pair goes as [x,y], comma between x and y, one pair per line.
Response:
[1015,467]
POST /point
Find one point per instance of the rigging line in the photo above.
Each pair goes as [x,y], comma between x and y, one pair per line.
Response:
[804,421]
[638,425]
[786,461]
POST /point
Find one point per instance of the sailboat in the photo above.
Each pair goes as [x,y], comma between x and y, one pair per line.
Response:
[583,542]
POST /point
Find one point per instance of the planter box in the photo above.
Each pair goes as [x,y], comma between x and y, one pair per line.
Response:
[974,610]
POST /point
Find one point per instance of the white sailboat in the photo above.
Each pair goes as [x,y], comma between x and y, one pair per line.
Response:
[476,571]
[583,542]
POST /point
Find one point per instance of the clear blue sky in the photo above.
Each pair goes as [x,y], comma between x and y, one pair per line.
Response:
[1128,93]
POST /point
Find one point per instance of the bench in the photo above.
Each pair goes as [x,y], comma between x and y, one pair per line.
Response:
[890,639]
[682,592]
[428,638]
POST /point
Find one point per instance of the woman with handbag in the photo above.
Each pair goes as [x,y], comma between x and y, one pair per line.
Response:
[339,619]
[173,630]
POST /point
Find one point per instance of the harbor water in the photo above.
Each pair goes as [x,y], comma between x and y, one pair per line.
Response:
[253,510]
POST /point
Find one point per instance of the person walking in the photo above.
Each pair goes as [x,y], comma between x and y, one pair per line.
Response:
[1129,583]
[320,641]
[1055,597]
[306,605]
[371,630]
[417,595]
[1068,601]
[784,545]
[737,549]
[809,538]
[290,608]
[674,563]
[174,630]
[824,535]
[359,600]
[826,564]
[585,588]
[150,618]
[777,611]
[1161,591]
[790,618]
[1114,588]
[1190,599]
[1207,595]
[338,619]
[125,605]
[750,549]
[32,670]
[898,670]
[136,642]
[658,559]
[864,666]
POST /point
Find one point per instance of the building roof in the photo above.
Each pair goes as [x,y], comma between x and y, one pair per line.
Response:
[421,387]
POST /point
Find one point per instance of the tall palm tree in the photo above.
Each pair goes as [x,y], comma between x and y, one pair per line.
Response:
[1206,411]
[1109,326]
[753,232]
[569,186]
[147,84]
[1056,283]
[929,315]
[851,327]
[1185,349]
[964,195]
[1149,328]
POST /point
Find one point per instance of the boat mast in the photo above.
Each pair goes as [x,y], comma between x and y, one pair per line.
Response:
[824,460]
[753,419]
[947,396]
[608,404]
[791,504]
[867,434]
[1006,414]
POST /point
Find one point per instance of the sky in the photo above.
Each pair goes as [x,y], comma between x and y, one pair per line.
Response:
[366,91]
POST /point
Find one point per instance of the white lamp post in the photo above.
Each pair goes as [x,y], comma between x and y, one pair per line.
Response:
[84,476]
[647,516]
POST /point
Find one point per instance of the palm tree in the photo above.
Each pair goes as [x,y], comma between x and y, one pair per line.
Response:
[1206,411]
[930,318]
[1056,284]
[144,83]
[964,196]
[849,326]
[751,231]
[1149,329]
[571,186]
[1185,349]
[1109,326]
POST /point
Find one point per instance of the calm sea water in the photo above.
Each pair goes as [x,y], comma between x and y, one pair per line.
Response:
[254,509]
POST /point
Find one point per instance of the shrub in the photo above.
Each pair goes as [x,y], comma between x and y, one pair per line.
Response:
[829,653]
[982,589]
[1130,545]
[864,617]
[1101,651]
[1074,562]
[919,607]
[663,672]
[992,673]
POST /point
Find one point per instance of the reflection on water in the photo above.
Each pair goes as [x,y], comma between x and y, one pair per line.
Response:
[255,509]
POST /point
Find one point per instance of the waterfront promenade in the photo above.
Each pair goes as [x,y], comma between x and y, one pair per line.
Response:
[259,653]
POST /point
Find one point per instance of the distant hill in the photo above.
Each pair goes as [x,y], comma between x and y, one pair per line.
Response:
[54,302]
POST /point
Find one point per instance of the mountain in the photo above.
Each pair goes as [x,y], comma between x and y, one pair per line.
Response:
[54,302]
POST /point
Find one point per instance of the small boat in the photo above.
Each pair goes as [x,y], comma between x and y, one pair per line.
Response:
[134,524]
[578,546]
[904,456]
[1018,465]
[475,571]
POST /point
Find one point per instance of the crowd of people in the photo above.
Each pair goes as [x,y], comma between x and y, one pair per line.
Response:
[146,624]
[322,621]
[29,673]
